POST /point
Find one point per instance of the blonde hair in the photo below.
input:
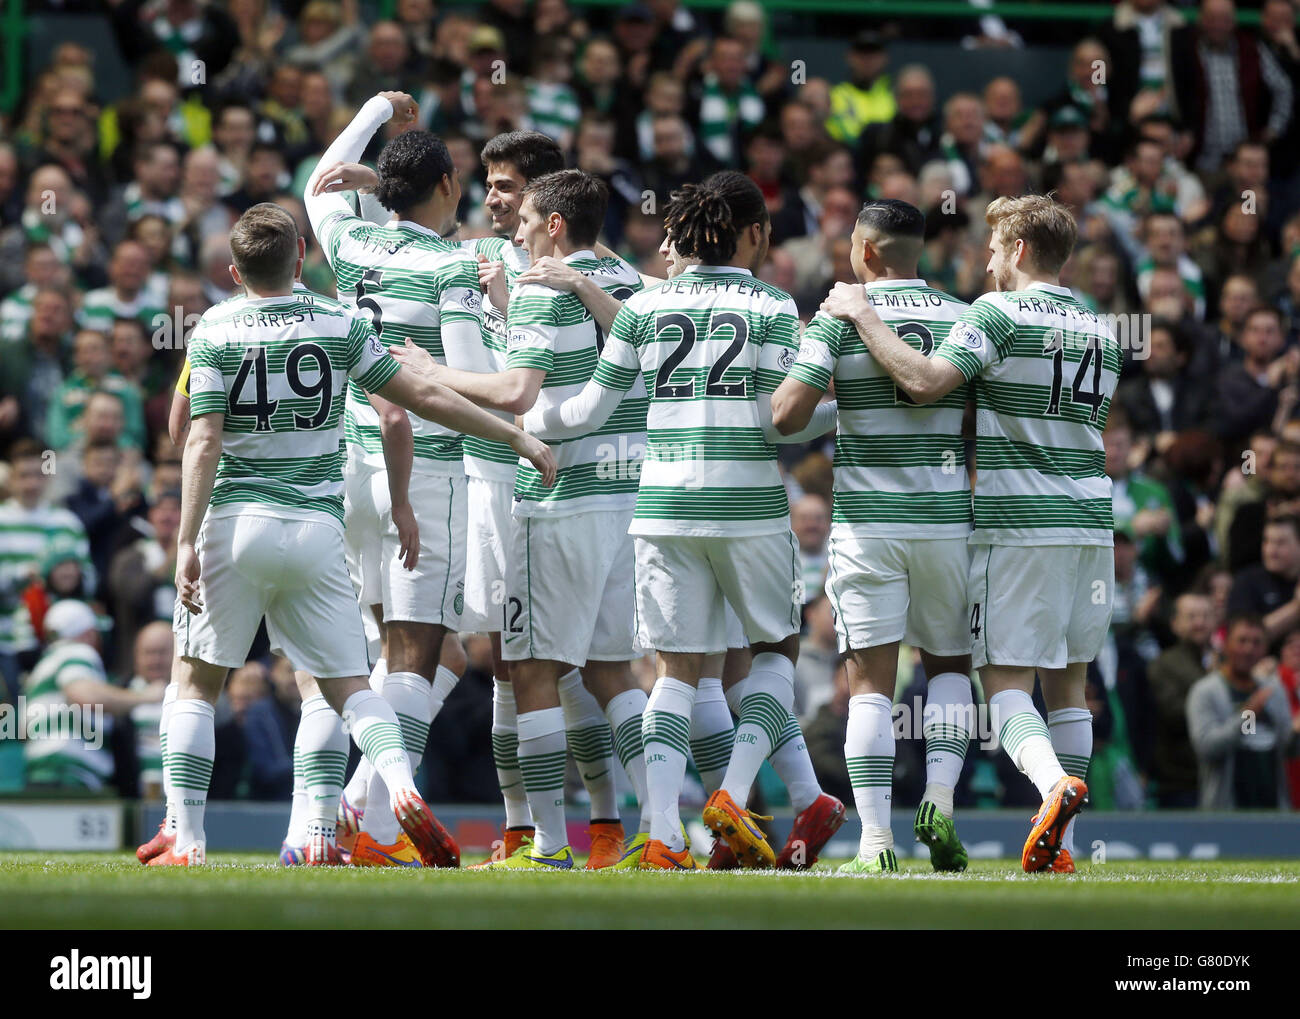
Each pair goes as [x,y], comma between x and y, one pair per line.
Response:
[1043,223]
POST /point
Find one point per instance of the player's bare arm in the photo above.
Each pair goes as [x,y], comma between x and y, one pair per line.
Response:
[793,405]
[398,440]
[431,400]
[342,176]
[923,379]
[178,419]
[514,391]
[198,474]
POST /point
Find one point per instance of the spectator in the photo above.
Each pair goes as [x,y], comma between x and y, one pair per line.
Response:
[152,190]
[29,527]
[1143,507]
[152,666]
[42,270]
[1269,588]
[58,753]
[1165,245]
[1240,725]
[34,366]
[828,166]
[962,141]
[867,97]
[127,294]
[814,678]
[1138,38]
[1166,398]
[912,134]
[810,519]
[1277,496]
[101,500]
[141,579]
[1226,85]
[329,35]
[1170,677]
[202,37]
[729,107]
[824,735]
[1249,392]
[1288,671]
[93,374]
[56,214]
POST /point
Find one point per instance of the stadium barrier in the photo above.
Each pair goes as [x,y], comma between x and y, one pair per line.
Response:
[108,825]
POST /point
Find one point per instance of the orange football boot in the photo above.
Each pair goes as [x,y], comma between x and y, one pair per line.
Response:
[436,847]
[1044,843]
[366,852]
[194,856]
[162,840]
[658,856]
[606,844]
[734,825]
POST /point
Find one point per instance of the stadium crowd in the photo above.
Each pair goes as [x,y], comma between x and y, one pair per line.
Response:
[1173,138]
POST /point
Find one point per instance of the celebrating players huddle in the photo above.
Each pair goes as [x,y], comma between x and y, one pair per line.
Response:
[638,506]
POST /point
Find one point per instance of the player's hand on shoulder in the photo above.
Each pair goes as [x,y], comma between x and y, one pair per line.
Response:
[549,271]
[404,107]
[848,301]
[417,359]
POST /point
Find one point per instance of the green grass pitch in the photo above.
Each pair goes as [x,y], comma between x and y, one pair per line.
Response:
[90,891]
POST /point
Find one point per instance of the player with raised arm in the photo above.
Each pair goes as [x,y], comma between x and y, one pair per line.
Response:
[261,519]
[571,561]
[1042,573]
[711,519]
[899,557]
[721,689]
[411,282]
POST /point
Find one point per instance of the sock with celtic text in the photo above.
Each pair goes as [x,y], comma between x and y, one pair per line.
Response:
[665,735]
[377,733]
[408,694]
[191,747]
[869,754]
[764,710]
[542,759]
[947,722]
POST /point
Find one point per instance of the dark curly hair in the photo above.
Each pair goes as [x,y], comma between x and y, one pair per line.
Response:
[705,220]
[410,167]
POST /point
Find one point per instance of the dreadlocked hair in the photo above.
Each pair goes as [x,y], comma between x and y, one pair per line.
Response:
[705,220]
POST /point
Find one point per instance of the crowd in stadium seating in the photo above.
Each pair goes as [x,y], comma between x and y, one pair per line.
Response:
[1176,142]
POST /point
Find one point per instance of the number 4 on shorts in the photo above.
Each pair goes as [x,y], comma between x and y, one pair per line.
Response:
[975,621]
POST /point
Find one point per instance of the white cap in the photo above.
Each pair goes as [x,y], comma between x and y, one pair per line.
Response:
[69,618]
